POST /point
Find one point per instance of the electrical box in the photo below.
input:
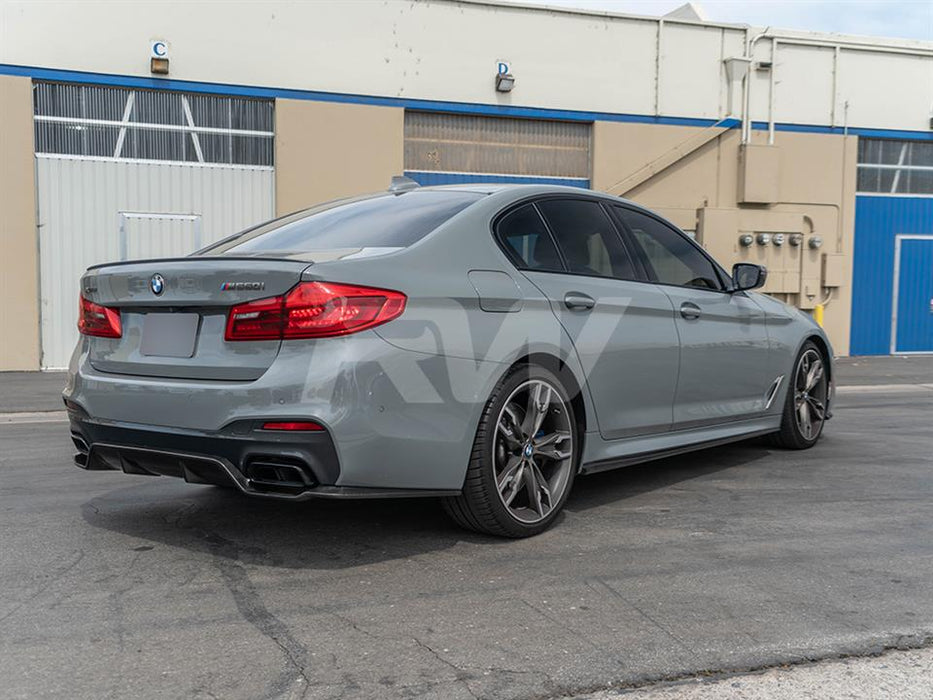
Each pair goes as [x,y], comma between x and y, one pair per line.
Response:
[834,271]
[759,174]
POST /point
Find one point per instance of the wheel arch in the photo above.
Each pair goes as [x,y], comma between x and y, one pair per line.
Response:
[565,374]
[823,347]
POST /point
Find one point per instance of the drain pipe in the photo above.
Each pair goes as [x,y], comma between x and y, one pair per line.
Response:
[747,86]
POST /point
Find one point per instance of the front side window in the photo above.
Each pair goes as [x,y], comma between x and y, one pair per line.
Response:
[587,238]
[669,257]
[525,237]
[380,221]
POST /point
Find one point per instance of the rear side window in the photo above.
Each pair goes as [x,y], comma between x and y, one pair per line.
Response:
[526,238]
[381,221]
[587,238]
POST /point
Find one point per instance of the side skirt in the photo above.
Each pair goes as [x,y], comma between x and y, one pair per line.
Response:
[671,444]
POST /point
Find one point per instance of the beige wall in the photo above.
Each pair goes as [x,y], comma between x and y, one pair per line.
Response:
[804,184]
[19,288]
[325,150]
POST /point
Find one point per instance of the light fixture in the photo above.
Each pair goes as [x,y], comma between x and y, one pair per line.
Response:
[764,238]
[778,239]
[746,239]
[504,82]
[158,57]
[815,242]
[158,66]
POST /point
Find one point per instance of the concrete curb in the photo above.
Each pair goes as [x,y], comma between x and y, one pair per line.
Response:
[884,389]
[33,417]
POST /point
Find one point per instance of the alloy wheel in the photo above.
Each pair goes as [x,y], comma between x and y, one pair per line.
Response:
[810,394]
[533,451]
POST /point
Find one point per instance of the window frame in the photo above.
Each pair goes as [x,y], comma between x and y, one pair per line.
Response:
[725,279]
[510,253]
[533,200]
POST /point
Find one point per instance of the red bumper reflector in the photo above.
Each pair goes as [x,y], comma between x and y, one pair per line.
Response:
[293,425]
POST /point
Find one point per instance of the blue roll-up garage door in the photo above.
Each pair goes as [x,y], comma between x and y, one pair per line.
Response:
[892,284]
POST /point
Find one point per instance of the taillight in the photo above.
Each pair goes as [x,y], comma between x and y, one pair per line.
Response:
[314,310]
[97,320]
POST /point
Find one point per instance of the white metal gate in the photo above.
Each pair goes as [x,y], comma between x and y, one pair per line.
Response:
[94,211]
[127,174]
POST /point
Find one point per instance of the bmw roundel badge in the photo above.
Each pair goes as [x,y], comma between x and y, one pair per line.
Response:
[157,284]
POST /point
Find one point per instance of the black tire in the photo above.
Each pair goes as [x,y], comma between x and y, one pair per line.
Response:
[791,436]
[480,506]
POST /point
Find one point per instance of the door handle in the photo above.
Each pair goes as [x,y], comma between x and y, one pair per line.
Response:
[689,310]
[578,300]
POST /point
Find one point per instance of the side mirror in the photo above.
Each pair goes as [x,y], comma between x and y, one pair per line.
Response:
[748,276]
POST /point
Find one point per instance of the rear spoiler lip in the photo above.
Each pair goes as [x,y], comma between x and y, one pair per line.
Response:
[191,258]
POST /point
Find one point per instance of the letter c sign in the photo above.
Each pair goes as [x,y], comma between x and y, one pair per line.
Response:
[159,49]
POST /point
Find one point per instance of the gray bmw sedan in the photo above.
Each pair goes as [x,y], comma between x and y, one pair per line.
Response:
[484,344]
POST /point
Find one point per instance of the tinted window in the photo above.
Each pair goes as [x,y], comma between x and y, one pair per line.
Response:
[525,236]
[669,256]
[586,238]
[383,221]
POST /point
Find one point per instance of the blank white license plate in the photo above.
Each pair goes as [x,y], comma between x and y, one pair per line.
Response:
[169,335]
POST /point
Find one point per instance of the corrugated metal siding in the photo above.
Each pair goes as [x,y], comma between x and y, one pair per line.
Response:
[468,144]
[877,221]
[79,222]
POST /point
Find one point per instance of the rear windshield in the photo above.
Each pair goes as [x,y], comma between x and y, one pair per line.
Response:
[381,221]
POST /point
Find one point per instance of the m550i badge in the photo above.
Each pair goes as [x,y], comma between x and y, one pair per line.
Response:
[240,286]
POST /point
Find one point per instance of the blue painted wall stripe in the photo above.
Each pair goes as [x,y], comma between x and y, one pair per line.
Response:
[423,177]
[877,221]
[427,105]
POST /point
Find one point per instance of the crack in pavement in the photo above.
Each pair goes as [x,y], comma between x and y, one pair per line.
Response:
[226,559]
[614,592]
[460,675]
[57,576]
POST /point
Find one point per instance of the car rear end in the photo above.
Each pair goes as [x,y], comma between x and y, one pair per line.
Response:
[245,365]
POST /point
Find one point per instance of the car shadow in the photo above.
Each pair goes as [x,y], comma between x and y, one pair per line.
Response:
[593,490]
[333,535]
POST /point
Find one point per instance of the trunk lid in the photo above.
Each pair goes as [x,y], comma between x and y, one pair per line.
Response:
[174,312]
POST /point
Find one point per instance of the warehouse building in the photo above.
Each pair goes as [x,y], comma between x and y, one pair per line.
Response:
[154,128]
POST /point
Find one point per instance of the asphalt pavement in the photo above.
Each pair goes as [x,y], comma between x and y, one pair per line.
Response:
[719,562]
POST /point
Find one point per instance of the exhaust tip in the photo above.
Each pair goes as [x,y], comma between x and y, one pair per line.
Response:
[273,476]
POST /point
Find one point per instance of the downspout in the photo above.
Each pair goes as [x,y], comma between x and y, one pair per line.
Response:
[774,45]
[657,68]
[746,96]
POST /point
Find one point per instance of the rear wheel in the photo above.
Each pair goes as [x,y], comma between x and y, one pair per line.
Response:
[805,406]
[523,460]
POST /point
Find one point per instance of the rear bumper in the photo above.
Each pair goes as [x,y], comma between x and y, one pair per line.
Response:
[241,455]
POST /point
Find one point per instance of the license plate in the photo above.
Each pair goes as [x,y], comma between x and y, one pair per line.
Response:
[169,335]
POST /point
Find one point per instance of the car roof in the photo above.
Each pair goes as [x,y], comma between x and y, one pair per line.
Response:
[522,190]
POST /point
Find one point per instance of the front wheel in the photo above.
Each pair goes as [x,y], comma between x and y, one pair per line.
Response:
[524,458]
[805,406]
